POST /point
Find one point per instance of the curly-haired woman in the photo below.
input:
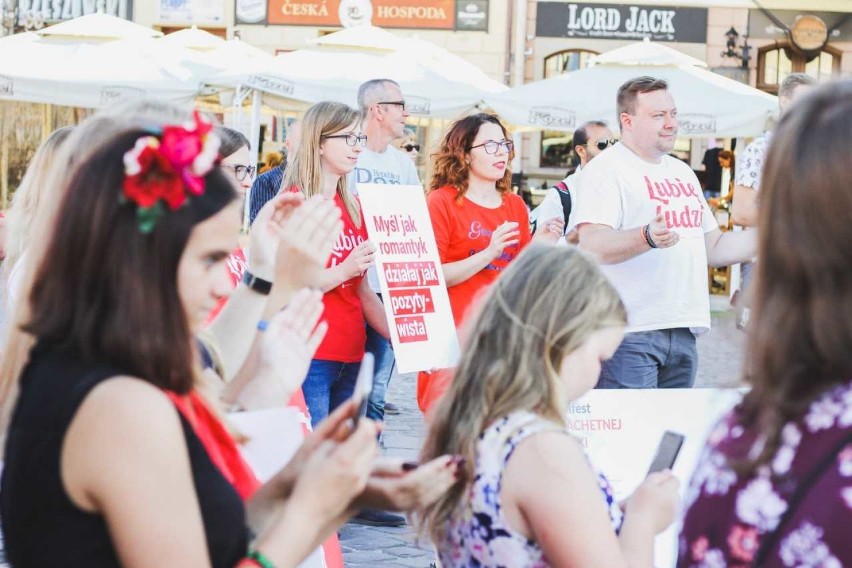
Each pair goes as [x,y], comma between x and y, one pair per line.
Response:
[480,225]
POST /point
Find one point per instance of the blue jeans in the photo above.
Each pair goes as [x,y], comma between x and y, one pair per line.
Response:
[384,360]
[328,385]
[660,358]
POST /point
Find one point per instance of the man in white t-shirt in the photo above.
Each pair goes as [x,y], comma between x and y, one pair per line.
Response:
[644,216]
[588,140]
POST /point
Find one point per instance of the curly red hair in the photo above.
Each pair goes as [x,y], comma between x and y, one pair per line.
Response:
[451,167]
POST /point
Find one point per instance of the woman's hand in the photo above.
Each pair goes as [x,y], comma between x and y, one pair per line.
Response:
[287,346]
[401,486]
[359,260]
[503,236]
[264,236]
[337,427]
[655,500]
[335,473]
[306,234]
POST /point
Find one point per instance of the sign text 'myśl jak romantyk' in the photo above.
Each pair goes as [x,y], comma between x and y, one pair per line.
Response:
[621,21]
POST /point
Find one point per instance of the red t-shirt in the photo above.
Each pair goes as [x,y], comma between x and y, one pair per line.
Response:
[344,340]
[463,228]
[237,266]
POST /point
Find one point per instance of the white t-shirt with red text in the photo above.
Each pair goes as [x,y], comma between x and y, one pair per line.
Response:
[661,288]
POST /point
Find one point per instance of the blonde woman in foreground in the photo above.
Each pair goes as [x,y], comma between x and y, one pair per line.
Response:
[532,499]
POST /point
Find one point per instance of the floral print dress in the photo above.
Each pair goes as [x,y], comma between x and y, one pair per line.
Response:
[727,515]
[478,535]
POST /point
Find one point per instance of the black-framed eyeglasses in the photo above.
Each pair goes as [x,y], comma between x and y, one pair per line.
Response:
[397,103]
[492,146]
[410,147]
[602,144]
[241,171]
[351,139]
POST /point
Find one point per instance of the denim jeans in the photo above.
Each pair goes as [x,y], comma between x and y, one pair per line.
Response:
[384,361]
[328,385]
[660,358]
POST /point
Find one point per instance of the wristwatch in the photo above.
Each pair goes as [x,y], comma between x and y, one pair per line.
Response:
[256,284]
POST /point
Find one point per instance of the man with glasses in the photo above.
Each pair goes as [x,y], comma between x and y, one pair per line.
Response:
[589,140]
[383,110]
[642,213]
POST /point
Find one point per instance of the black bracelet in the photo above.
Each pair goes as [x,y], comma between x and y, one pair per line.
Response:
[647,232]
[256,284]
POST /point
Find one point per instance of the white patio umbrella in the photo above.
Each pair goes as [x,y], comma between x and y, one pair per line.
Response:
[193,38]
[435,82]
[709,104]
[94,74]
[100,27]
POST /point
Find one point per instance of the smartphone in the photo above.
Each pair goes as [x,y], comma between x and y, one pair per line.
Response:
[363,385]
[667,451]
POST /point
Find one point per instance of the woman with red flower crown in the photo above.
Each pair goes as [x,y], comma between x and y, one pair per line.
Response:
[331,142]
[112,458]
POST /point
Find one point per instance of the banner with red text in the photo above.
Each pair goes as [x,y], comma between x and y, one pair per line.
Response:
[410,276]
[621,429]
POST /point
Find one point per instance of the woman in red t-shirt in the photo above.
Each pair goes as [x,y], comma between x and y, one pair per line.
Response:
[331,142]
[480,225]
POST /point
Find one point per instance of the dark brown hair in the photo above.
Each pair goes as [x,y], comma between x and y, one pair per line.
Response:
[106,291]
[450,161]
[625,101]
[799,345]
[232,140]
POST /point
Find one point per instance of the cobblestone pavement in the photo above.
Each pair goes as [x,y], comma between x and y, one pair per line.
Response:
[720,358]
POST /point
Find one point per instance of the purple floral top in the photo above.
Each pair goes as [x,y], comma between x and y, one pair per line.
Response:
[728,515]
[478,535]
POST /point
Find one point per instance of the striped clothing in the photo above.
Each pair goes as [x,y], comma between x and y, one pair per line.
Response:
[264,188]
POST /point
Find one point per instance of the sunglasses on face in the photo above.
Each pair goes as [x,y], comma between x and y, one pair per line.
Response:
[240,171]
[602,144]
[492,146]
[410,147]
[351,139]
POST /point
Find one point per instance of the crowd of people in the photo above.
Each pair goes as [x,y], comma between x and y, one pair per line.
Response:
[136,317]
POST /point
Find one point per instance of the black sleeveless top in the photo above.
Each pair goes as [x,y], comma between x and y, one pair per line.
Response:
[42,527]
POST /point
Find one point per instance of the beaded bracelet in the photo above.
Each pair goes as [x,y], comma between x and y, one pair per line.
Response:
[646,232]
[260,559]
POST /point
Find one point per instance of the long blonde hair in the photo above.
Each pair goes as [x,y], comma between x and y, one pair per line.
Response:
[543,307]
[33,188]
[305,171]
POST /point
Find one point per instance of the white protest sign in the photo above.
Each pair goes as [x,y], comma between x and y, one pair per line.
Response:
[413,288]
[621,430]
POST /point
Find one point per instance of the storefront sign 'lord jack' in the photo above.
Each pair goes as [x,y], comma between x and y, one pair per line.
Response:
[621,21]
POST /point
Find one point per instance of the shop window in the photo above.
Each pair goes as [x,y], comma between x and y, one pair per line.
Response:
[775,62]
[565,61]
[556,148]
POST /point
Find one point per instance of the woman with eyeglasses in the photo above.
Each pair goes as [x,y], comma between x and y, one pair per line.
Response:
[235,153]
[236,162]
[480,225]
[331,143]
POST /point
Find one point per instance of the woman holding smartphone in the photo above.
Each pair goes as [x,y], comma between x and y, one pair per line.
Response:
[531,498]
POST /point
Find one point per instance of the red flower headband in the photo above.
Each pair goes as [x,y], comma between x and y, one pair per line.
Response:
[162,170]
